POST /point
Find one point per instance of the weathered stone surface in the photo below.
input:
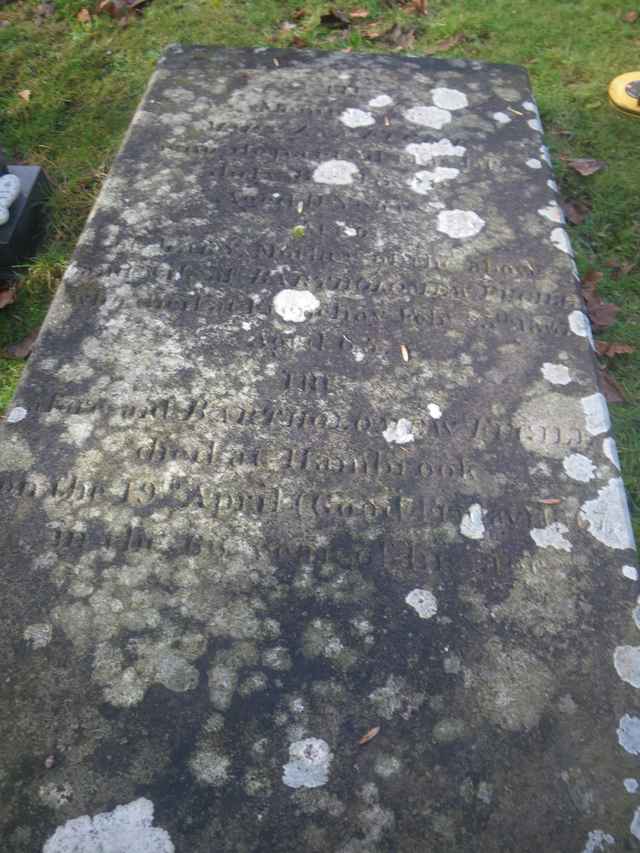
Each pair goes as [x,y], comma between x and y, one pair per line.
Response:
[311,444]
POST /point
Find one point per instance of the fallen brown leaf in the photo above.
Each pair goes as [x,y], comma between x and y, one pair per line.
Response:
[369,735]
[602,314]
[25,94]
[590,282]
[298,41]
[404,352]
[23,348]
[359,13]
[114,8]
[630,17]
[610,349]
[576,211]
[299,13]
[84,16]
[447,44]
[7,297]
[550,501]
[585,166]
[611,389]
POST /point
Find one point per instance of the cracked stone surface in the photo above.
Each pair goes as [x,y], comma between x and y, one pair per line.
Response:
[227,562]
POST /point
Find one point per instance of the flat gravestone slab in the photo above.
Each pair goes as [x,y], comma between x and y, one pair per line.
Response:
[311,452]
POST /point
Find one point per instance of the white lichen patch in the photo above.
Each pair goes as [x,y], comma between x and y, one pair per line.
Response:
[295,305]
[551,536]
[552,212]
[533,163]
[552,185]
[452,664]
[380,102]
[580,326]
[472,524]
[544,153]
[579,467]
[626,660]
[347,230]
[610,450]
[277,658]
[396,697]
[607,516]
[598,841]
[308,765]
[127,829]
[17,414]
[630,572]
[222,684]
[425,152]
[435,411]
[629,734]
[449,99]
[428,116]
[357,118]
[320,639]
[422,182]
[596,413]
[501,118]
[448,730]
[210,767]
[56,796]
[560,240]
[557,374]
[336,172]
[423,602]
[459,224]
[78,430]
[631,785]
[38,635]
[398,432]
[387,766]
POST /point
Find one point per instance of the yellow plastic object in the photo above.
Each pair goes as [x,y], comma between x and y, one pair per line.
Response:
[624,93]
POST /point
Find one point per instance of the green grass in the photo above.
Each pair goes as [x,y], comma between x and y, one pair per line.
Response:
[85,81]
